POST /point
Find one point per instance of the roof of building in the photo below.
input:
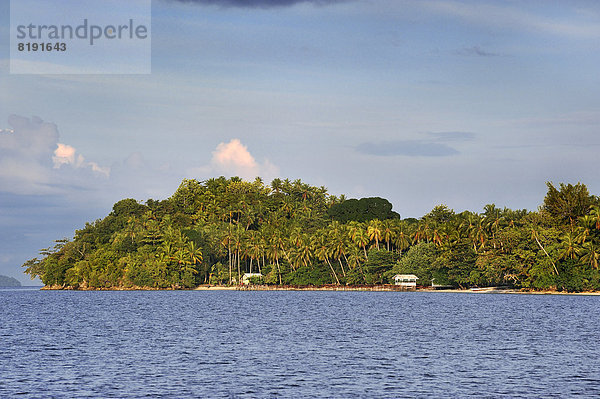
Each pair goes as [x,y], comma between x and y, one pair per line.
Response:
[405,276]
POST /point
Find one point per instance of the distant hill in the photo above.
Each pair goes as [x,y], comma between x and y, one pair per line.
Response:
[6,281]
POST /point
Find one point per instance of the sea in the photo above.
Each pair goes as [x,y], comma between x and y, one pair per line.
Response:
[297,344]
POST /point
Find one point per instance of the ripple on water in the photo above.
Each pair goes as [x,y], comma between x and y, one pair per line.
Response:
[297,344]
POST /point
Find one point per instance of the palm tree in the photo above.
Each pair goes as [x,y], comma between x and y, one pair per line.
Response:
[322,251]
[374,231]
[359,236]
[194,253]
[254,248]
[274,250]
[387,232]
[595,214]
[585,225]
[493,219]
[591,254]
[569,246]
[535,236]
[402,240]
[226,240]
[303,251]
[337,241]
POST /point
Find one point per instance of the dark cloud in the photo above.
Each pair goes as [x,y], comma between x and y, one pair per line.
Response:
[477,51]
[452,136]
[258,3]
[410,148]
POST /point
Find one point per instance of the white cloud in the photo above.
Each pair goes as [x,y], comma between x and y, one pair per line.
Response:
[65,155]
[32,159]
[234,159]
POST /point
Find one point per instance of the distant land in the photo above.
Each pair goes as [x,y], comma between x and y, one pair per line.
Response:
[6,281]
[220,231]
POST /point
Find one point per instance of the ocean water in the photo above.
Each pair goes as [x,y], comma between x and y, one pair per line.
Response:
[230,344]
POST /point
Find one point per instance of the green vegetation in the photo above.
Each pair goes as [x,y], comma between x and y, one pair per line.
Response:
[6,281]
[212,232]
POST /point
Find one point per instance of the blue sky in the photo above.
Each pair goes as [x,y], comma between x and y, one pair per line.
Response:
[421,102]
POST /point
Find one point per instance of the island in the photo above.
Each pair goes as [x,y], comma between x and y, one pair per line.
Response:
[6,281]
[289,233]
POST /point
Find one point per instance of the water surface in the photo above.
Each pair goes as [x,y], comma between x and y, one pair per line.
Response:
[297,344]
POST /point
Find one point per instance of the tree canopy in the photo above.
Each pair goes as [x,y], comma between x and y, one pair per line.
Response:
[362,210]
[214,231]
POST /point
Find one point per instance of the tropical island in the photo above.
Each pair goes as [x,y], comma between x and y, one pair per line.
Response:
[289,233]
[6,281]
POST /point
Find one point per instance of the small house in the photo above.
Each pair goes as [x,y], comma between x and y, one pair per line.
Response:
[406,280]
[248,277]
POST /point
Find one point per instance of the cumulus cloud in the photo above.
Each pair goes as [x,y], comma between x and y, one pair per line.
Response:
[234,156]
[32,159]
[66,155]
[234,159]
[258,3]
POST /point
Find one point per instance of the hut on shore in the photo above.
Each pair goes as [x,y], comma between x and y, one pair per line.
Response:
[408,281]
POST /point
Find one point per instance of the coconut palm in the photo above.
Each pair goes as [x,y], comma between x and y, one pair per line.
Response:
[357,233]
[569,247]
[535,236]
[322,251]
[595,214]
[387,232]
[194,253]
[374,229]
[590,254]
[585,225]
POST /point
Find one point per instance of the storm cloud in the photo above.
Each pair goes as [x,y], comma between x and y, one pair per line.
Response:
[258,3]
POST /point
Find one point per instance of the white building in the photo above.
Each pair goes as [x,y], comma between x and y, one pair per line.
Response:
[247,276]
[406,280]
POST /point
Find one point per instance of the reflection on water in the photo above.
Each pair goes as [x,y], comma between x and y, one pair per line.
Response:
[297,344]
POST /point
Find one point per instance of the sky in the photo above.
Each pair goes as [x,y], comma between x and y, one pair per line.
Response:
[427,102]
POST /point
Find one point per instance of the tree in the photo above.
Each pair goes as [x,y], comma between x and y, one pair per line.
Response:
[590,254]
[569,247]
[362,210]
[568,203]
[322,251]
[374,231]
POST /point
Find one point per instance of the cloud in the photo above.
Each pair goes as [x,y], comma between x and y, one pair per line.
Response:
[65,155]
[476,51]
[234,159]
[451,136]
[259,3]
[32,159]
[506,16]
[234,156]
[411,148]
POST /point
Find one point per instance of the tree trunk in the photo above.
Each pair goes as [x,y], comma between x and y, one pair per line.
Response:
[540,245]
[278,269]
[333,271]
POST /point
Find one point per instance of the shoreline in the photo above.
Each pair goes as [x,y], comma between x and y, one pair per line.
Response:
[374,288]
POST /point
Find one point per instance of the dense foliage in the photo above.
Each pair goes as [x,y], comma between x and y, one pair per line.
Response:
[293,233]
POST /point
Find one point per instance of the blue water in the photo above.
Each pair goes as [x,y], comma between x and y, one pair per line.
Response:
[297,344]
